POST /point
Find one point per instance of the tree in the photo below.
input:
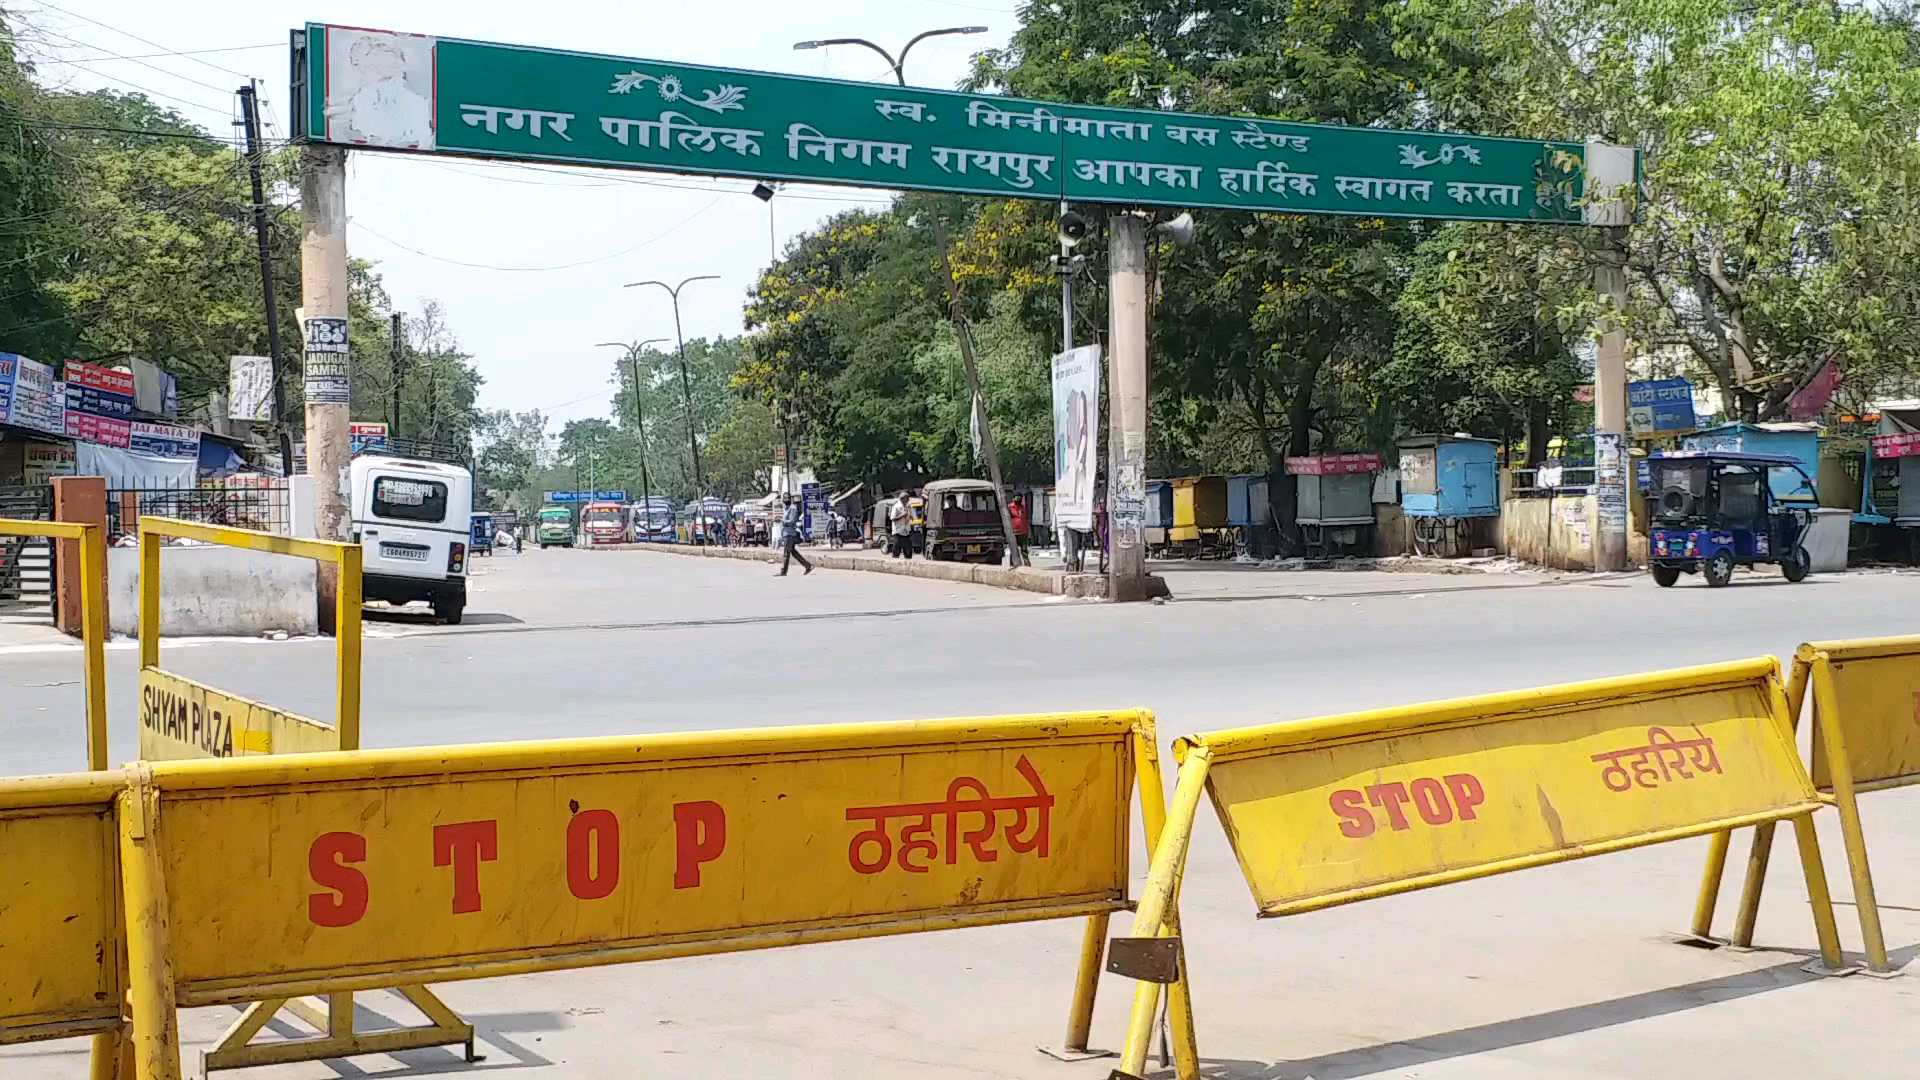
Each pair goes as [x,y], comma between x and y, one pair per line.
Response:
[513,448]
[1277,310]
[1780,166]
[712,365]
[1488,326]
[1016,381]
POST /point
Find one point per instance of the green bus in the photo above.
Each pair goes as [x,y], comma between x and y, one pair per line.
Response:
[556,527]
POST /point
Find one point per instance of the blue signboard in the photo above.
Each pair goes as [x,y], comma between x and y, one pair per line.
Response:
[1660,405]
[618,495]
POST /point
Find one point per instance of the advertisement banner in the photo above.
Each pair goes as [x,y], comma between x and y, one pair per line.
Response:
[1076,435]
[1660,405]
[327,377]
[164,441]
[364,436]
[1898,445]
[98,390]
[38,400]
[250,388]
[618,495]
[105,430]
[44,461]
[1334,464]
[7,371]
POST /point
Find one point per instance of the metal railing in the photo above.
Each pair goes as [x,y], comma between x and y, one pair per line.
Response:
[259,503]
[1549,480]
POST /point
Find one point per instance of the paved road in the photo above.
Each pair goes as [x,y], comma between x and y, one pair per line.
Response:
[1551,973]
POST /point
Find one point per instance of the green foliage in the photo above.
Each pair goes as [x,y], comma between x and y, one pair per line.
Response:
[1781,169]
[126,231]
[1485,339]
[1016,383]
[513,449]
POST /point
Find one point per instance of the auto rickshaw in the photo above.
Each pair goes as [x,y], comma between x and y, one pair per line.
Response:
[1713,511]
[480,533]
[963,522]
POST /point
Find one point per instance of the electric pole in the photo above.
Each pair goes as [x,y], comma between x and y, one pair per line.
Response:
[397,352]
[250,109]
[327,364]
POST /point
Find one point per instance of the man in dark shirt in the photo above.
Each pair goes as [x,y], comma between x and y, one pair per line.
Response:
[790,538]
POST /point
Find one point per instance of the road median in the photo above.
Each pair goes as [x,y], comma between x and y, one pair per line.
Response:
[1026,579]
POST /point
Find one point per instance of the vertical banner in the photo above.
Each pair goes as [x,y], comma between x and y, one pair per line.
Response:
[250,388]
[327,379]
[1076,434]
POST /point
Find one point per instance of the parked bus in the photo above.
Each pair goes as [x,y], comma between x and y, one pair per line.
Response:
[604,523]
[707,520]
[650,521]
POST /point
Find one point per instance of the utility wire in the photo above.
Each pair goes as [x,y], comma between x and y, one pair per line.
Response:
[227,112]
[59,125]
[161,55]
[142,63]
[144,41]
[535,269]
[616,178]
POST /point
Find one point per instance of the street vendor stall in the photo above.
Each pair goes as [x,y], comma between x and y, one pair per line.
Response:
[1336,501]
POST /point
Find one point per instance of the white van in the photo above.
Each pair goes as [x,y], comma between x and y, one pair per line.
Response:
[411,520]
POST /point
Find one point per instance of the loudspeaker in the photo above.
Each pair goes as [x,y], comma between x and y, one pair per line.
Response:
[1179,230]
[1073,228]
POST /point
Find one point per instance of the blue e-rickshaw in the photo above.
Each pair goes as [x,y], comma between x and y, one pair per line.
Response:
[480,533]
[1713,510]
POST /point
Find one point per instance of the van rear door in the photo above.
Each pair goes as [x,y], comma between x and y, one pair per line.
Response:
[407,531]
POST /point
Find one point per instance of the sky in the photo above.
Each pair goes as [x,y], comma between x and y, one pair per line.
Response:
[528,263]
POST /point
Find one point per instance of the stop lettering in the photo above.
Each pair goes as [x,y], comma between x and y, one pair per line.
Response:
[1433,802]
[591,849]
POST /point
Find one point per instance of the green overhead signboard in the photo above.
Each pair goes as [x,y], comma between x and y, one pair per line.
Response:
[375,89]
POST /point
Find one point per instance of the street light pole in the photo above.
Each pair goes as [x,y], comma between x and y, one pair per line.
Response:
[639,415]
[977,405]
[686,389]
[898,67]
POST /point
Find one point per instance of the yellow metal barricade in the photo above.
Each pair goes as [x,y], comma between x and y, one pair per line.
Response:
[1348,808]
[400,867]
[346,643]
[181,719]
[1866,737]
[92,542]
[60,910]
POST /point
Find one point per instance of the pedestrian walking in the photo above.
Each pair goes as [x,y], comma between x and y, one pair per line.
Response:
[790,540]
[1022,528]
[900,521]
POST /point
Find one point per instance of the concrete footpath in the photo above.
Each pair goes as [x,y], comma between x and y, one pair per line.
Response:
[1028,579]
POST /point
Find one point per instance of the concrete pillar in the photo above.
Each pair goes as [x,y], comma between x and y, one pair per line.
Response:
[82,500]
[323,294]
[1127,406]
[1611,172]
[300,506]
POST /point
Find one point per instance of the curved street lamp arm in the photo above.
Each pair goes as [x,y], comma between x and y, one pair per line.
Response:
[892,64]
[900,69]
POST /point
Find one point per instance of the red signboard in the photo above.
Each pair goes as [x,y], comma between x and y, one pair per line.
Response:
[99,378]
[1333,464]
[1902,444]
